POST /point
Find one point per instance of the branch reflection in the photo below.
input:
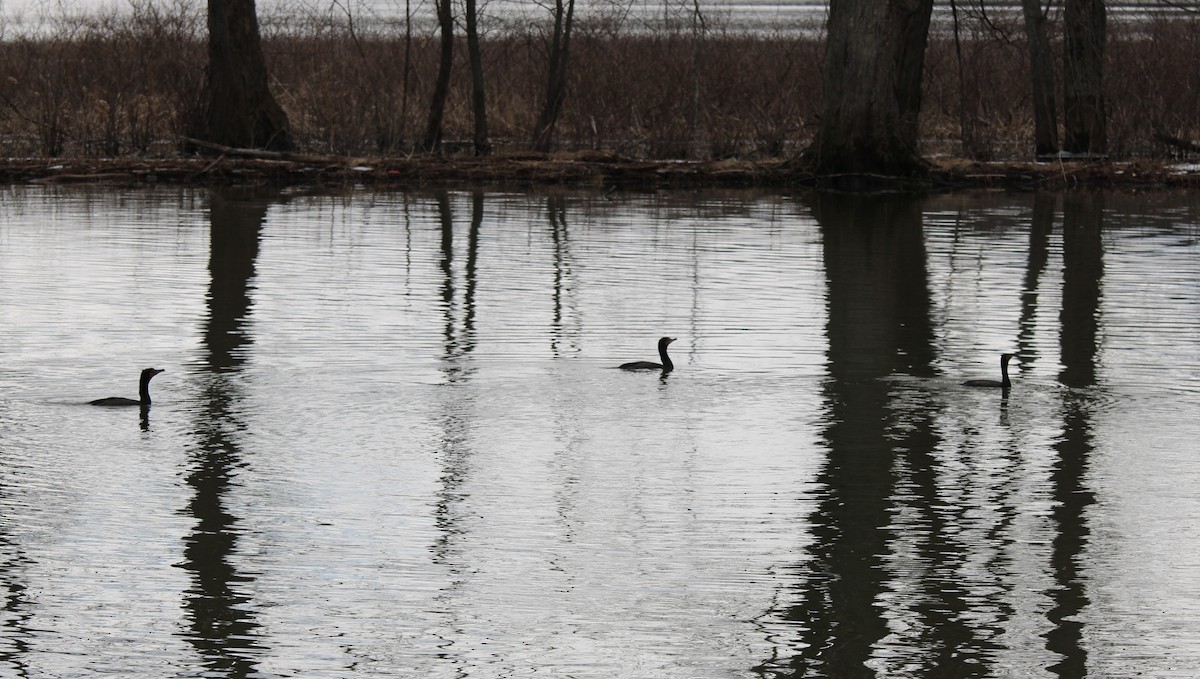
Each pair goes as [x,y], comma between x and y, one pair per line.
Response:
[455,411]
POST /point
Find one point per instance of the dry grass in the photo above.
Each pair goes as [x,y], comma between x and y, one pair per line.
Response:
[127,85]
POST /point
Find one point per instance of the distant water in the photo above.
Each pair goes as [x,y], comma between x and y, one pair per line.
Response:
[391,441]
[786,16]
[739,14]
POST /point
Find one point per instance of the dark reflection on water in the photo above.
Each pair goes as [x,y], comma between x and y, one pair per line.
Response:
[16,624]
[17,628]
[878,325]
[222,624]
[459,318]
[878,595]
[564,306]
[454,413]
[1083,269]
[1041,223]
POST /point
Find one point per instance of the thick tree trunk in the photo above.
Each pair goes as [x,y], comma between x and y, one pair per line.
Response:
[874,57]
[1041,72]
[483,145]
[441,88]
[1084,125]
[238,108]
[556,84]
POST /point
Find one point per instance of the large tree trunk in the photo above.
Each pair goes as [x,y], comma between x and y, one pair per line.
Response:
[874,57]
[556,83]
[483,146]
[441,88]
[1041,72]
[1084,126]
[238,109]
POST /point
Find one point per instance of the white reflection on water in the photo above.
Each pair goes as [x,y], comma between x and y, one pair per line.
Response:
[391,439]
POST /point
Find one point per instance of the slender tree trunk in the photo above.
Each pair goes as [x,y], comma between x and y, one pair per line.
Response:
[238,108]
[407,79]
[441,87]
[1041,71]
[556,84]
[968,98]
[875,53]
[1084,125]
[699,31]
[483,146]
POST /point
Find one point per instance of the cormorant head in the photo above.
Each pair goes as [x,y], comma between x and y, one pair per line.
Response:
[150,372]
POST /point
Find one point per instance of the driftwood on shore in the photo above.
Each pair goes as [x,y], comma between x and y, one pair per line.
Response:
[238,166]
[1175,142]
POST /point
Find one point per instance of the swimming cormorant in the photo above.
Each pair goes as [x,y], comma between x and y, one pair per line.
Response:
[665,366]
[143,392]
[1004,384]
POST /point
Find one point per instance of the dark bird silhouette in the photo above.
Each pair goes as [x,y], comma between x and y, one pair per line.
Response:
[1003,384]
[665,366]
[143,392]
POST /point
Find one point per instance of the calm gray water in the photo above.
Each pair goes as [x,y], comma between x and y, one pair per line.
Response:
[390,441]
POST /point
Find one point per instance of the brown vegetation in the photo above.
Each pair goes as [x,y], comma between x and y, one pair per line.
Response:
[128,86]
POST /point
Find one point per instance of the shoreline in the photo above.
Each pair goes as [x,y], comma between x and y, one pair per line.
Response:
[237,167]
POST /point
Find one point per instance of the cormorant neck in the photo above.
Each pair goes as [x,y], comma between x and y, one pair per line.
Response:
[666,360]
[1004,372]
[144,392]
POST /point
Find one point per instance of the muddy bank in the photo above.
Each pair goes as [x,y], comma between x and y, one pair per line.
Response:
[601,170]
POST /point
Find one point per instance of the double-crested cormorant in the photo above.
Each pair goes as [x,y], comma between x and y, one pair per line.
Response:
[665,366]
[1003,384]
[143,392]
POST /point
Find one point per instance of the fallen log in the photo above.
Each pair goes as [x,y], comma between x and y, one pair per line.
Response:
[262,154]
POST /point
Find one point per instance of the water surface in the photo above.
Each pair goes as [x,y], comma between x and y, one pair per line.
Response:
[391,440]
